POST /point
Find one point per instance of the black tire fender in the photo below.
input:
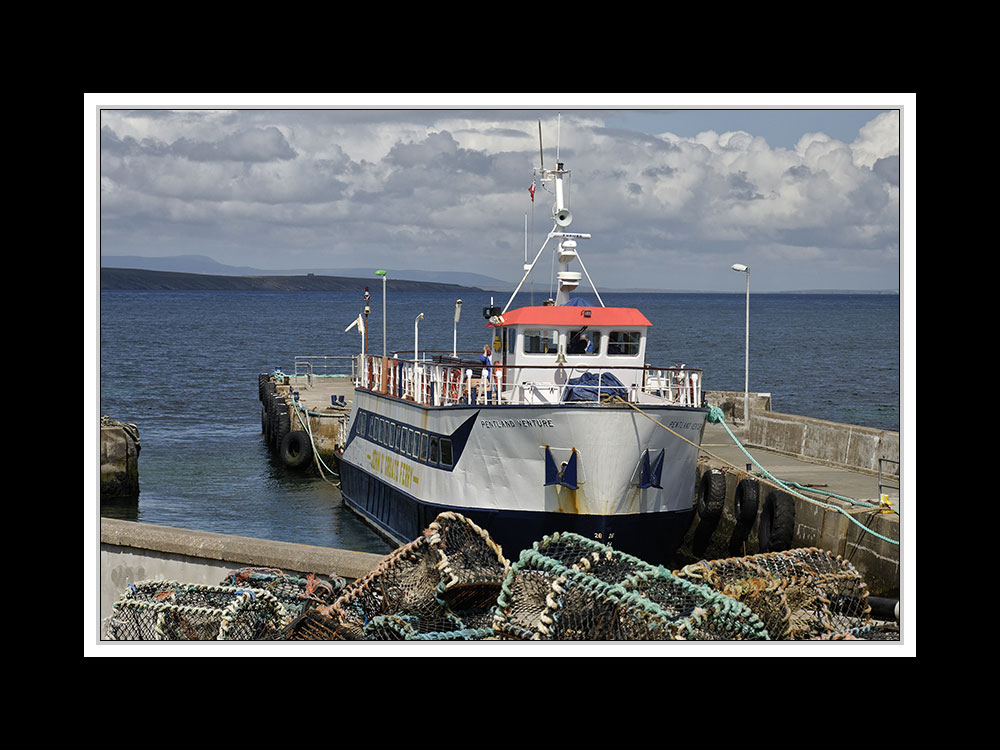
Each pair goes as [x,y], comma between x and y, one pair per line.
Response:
[777,522]
[746,502]
[281,426]
[296,449]
[711,494]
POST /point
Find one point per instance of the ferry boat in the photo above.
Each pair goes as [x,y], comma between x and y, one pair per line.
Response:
[568,428]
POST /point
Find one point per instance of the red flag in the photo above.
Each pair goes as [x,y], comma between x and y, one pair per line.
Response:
[531,191]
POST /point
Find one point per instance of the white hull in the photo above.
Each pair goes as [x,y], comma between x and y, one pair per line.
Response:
[499,468]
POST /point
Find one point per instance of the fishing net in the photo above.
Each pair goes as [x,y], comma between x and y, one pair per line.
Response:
[798,594]
[441,586]
[567,587]
[295,593]
[172,611]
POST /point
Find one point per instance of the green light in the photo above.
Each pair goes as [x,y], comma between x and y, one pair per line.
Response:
[380,273]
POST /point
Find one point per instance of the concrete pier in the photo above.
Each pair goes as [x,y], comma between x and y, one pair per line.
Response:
[856,532]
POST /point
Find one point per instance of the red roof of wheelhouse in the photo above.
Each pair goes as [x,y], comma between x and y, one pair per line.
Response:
[575,316]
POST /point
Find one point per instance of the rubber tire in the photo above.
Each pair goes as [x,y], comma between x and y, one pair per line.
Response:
[777,522]
[746,502]
[282,426]
[738,539]
[296,449]
[711,494]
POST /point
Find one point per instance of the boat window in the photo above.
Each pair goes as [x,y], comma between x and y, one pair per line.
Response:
[584,342]
[445,451]
[541,341]
[423,446]
[411,444]
[361,423]
[511,335]
[400,432]
[624,343]
[432,457]
[392,434]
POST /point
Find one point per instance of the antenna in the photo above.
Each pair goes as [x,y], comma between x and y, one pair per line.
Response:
[558,124]
[541,158]
[526,242]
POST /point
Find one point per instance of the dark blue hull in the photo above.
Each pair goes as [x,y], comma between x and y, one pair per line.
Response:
[653,537]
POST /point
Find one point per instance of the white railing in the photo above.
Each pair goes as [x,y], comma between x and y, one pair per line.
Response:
[449,384]
[325,365]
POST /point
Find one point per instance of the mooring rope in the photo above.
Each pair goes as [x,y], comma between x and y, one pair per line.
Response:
[715,415]
[316,457]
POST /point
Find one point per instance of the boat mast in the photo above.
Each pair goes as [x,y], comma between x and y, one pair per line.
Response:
[562,218]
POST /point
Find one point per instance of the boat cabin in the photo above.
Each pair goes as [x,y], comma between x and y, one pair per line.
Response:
[543,348]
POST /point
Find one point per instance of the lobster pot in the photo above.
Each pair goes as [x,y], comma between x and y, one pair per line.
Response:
[172,611]
[567,587]
[441,586]
[799,594]
[295,593]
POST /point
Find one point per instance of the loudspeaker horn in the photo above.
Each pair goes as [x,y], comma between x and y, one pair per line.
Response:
[564,217]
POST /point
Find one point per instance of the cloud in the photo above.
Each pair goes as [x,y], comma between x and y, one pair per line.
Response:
[320,188]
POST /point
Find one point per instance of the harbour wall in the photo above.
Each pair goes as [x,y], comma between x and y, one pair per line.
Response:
[131,552]
[835,444]
[831,443]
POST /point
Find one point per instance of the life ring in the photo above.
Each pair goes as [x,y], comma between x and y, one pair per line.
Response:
[296,449]
[746,502]
[711,494]
[777,522]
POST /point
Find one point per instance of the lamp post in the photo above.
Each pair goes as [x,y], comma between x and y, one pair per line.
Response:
[382,274]
[746,362]
[416,334]
[454,335]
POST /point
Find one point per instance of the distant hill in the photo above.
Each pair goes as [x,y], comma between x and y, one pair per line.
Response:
[202,264]
[138,279]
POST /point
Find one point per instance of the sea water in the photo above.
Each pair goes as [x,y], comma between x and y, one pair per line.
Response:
[184,366]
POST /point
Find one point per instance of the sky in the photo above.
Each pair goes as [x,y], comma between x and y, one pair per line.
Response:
[806,191]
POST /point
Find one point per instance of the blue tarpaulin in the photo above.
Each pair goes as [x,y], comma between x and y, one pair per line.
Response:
[593,386]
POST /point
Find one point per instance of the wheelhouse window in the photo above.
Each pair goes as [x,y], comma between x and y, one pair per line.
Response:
[423,446]
[433,456]
[539,341]
[624,343]
[584,341]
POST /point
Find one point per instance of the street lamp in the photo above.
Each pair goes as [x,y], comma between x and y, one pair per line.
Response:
[416,334]
[746,363]
[382,274]
[454,338]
